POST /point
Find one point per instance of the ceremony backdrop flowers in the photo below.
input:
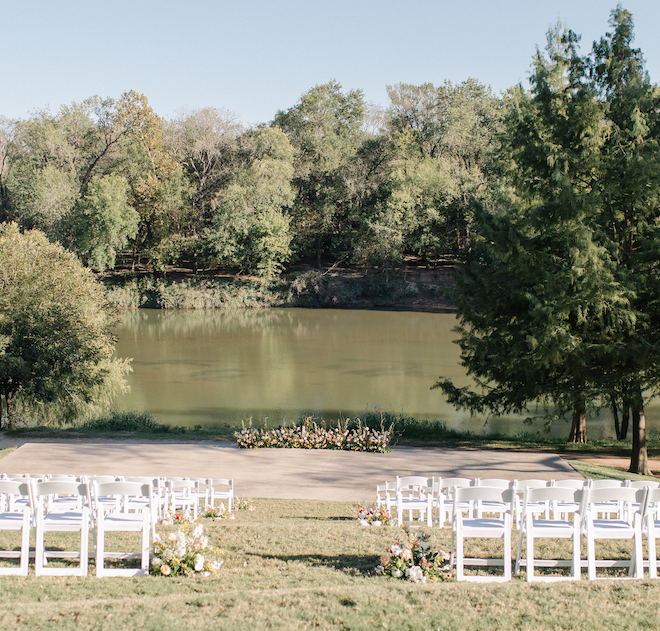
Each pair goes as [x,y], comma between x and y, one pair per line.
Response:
[309,435]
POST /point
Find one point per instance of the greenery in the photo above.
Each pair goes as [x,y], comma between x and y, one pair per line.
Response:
[600,472]
[128,422]
[558,300]
[295,564]
[56,344]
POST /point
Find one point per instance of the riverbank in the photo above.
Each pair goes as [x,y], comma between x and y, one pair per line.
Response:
[415,288]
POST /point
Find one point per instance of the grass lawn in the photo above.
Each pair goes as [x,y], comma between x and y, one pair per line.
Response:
[295,564]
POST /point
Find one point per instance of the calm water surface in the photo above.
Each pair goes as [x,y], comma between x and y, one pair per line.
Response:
[211,367]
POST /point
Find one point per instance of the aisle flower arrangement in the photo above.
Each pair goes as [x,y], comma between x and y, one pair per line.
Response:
[414,560]
[370,516]
[185,552]
[243,504]
[309,435]
[218,512]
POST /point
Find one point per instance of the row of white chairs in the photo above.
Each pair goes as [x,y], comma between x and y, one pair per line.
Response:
[566,509]
[99,504]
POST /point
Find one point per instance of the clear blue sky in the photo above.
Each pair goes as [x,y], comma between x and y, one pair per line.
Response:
[254,57]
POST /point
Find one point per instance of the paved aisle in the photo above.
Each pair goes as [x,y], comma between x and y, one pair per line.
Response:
[279,473]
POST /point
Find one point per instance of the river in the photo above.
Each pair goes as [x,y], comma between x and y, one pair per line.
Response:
[275,365]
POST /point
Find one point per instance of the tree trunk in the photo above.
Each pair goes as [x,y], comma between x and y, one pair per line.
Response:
[615,413]
[639,462]
[579,425]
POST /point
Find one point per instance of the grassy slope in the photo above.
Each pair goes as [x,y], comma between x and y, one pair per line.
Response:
[308,564]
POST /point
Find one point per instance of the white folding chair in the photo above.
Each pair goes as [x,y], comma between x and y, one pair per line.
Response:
[542,508]
[16,516]
[597,529]
[386,495]
[183,493]
[557,508]
[482,527]
[444,498]
[608,509]
[414,493]
[494,506]
[532,529]
[220,489]
[118,520]
[71,514]
[651,527]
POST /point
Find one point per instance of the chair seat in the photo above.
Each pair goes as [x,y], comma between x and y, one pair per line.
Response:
[613,528]
[70,521]
[11,521]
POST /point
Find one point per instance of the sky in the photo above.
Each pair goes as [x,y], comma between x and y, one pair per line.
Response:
[255,57]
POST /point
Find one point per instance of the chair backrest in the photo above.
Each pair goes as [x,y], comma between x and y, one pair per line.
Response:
[14,487]
[606,484]
[642,484]
[450,483]
[616,494]
[570,497]
[568,483]
[130,489]
[56,488]
[220,482]
[494,483]
[486,493]
[409,481]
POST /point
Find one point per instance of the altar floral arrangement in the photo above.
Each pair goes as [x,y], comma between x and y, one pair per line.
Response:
[350,436]
[414,560]
[370,516]
[185,552]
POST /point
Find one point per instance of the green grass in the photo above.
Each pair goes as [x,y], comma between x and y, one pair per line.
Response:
[600,472]
[298,564]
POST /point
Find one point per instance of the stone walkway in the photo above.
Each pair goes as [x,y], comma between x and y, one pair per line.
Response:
[277,473]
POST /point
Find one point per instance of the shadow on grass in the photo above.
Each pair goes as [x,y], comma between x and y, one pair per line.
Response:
[359,564]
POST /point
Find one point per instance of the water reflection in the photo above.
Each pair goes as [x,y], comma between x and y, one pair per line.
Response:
[212,367]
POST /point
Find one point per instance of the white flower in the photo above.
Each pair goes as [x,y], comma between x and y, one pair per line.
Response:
[199,563]
[415,574]
[396,549]
[397,573]
[364,522]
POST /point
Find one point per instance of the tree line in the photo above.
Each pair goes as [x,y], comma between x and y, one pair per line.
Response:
[331,179]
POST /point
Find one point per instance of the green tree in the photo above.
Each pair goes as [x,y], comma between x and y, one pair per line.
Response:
[56,344]
[442,145]
[104,222]
[325,129]
[560,297]
[250,228]
[630,184]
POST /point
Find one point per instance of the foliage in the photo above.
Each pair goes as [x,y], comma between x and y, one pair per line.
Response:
[558,297]
[128,422]
[56,344]
[185,552]
[309,435]
[413,560]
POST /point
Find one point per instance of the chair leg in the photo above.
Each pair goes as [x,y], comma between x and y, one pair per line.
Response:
[459,557]
[530,556]
[653,562]
[100,548]
[576,568]
[507,553]
[521,535]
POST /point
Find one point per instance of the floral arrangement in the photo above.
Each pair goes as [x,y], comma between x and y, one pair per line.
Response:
[243,504]
[185,553]
[180,517]
[370,516]
[218,512]
[309,435]
[414,561]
